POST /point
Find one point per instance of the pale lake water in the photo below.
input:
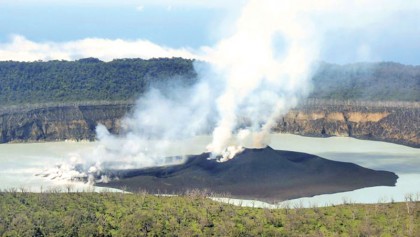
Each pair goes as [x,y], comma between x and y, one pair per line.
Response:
[20,162]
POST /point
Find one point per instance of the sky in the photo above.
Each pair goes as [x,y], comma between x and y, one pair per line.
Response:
[68,29]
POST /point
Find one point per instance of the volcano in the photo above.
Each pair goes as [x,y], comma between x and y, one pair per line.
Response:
[264,174]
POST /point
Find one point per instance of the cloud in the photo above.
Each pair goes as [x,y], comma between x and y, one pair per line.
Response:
[21,49]
[140,8]
[365,54]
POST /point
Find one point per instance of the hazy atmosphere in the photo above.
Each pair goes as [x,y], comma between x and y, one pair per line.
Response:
[261,58]
[33,30]
[186,104]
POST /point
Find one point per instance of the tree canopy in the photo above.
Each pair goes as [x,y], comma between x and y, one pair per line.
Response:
[192,214]
[90,79]
[384,81]
[87,79]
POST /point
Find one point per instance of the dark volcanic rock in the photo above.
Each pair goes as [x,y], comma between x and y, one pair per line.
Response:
[61,122]
[391,122]
[263,174]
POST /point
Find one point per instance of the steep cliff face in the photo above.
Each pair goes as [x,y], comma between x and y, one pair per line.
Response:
[76,122]
[393,123]
[398,124]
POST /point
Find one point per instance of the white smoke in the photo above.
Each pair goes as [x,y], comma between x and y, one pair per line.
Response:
[262,84]
[253,76]
[259,84]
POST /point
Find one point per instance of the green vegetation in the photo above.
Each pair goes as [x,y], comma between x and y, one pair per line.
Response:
[384,81]
[87,79]
[118,214]
[126,79]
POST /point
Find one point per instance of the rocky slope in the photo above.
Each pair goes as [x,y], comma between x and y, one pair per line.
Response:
[395,122]
[59,122]
[391,121]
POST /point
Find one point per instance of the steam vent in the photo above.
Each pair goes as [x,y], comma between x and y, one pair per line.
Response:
[264,174]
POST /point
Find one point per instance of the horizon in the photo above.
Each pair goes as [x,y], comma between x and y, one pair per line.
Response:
[193,59]
[47,30]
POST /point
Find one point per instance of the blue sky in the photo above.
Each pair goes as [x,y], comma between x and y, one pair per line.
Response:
[172,27]
[189,24]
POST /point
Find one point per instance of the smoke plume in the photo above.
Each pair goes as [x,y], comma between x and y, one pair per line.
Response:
[250,78]
[260,83]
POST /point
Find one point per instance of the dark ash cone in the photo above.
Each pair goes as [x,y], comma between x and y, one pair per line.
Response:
[263,174]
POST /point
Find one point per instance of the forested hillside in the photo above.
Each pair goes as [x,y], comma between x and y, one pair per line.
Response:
[384,81]
[118,214]
[87,79]
[126,79]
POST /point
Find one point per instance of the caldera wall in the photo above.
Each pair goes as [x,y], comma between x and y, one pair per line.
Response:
[60,122]
[384,121]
